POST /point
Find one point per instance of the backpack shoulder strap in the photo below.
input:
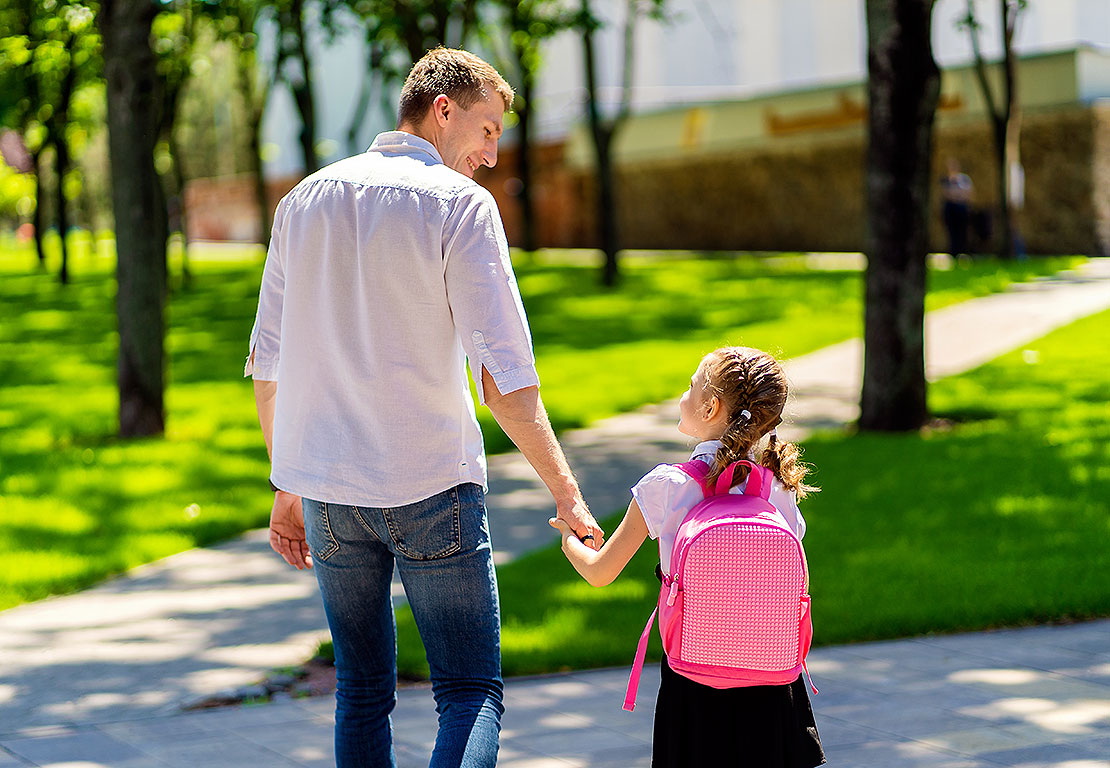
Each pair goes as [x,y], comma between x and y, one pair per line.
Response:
[698,470]
[638,665]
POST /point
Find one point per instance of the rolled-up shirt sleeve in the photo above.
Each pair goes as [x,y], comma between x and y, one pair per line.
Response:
[265,341]
[482,291]
[653,496]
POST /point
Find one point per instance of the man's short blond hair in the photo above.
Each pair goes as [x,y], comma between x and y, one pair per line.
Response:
[458,74]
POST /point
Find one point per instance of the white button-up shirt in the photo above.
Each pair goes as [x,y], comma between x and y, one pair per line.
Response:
[384,270]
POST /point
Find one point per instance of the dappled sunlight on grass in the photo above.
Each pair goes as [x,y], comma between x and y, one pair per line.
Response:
[581,592]
[1008,506]
[78,504]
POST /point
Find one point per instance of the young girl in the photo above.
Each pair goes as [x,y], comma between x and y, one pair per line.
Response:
[735,399]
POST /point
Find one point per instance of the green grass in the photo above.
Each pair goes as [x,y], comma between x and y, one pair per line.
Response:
[1001,518]
[77,504]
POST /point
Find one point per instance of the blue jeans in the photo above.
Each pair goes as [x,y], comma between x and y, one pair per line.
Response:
[441,547]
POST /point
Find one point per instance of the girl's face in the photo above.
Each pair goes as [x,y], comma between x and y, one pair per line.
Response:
[696,407]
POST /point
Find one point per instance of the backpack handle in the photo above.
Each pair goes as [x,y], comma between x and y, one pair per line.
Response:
[758,482]
[759,478]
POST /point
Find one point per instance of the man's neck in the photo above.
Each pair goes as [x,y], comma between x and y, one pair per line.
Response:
[418,132]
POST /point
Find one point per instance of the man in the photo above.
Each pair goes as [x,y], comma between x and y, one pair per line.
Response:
[384,271]
[955,191]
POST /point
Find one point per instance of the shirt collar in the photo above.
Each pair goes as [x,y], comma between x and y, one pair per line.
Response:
[706,450]
[403,143]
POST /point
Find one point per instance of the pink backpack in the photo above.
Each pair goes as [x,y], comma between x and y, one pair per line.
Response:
[734,610]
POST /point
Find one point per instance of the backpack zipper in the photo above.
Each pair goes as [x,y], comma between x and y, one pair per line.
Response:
[674,591]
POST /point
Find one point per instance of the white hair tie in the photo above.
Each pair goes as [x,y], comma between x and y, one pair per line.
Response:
[746,414]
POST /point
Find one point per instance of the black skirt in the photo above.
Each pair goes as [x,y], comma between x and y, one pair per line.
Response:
[763,726]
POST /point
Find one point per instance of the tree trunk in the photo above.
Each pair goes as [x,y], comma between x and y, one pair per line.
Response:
[1004,116]
[255,97]
[602,133]
[524,156]
[61,165]
[1005,222]
[264,220]
[171,100]
[607,206]
[302,91]
[57,129]
[37,217]
[1011,128]
[365,96]
[903,87]
[182,211]
[140,211]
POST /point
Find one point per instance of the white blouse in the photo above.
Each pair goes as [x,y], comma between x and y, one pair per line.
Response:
[666,494]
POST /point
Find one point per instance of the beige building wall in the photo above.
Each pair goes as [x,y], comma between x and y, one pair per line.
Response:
[786,172]
[810,197]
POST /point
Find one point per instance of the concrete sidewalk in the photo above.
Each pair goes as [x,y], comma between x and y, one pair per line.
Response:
[98,678]
[1029,698]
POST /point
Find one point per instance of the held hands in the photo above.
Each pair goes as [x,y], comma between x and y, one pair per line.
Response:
[567,534]
[287,536]
[561,526]
[578,521]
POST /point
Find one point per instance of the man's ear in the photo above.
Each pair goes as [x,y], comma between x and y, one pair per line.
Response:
[441,106]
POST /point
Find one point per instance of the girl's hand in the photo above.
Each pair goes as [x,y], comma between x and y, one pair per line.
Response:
[600,566]
[561,525]
[568,533]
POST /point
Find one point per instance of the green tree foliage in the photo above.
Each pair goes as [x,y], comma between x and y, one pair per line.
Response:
[51,52]
[417,26]
[17,192]
[398,33]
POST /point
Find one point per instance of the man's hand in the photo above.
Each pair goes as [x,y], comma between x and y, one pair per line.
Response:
[580,520]
[287,530]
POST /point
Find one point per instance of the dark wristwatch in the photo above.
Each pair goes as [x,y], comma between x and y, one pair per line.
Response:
[273,487]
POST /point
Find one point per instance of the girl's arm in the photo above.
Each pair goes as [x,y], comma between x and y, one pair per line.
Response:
[601,567]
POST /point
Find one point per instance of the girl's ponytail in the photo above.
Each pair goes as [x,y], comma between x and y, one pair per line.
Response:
[736,445]
[783,459]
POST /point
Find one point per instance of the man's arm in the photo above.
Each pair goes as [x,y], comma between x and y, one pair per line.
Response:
[522,415]
[265,395]
[287,536]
